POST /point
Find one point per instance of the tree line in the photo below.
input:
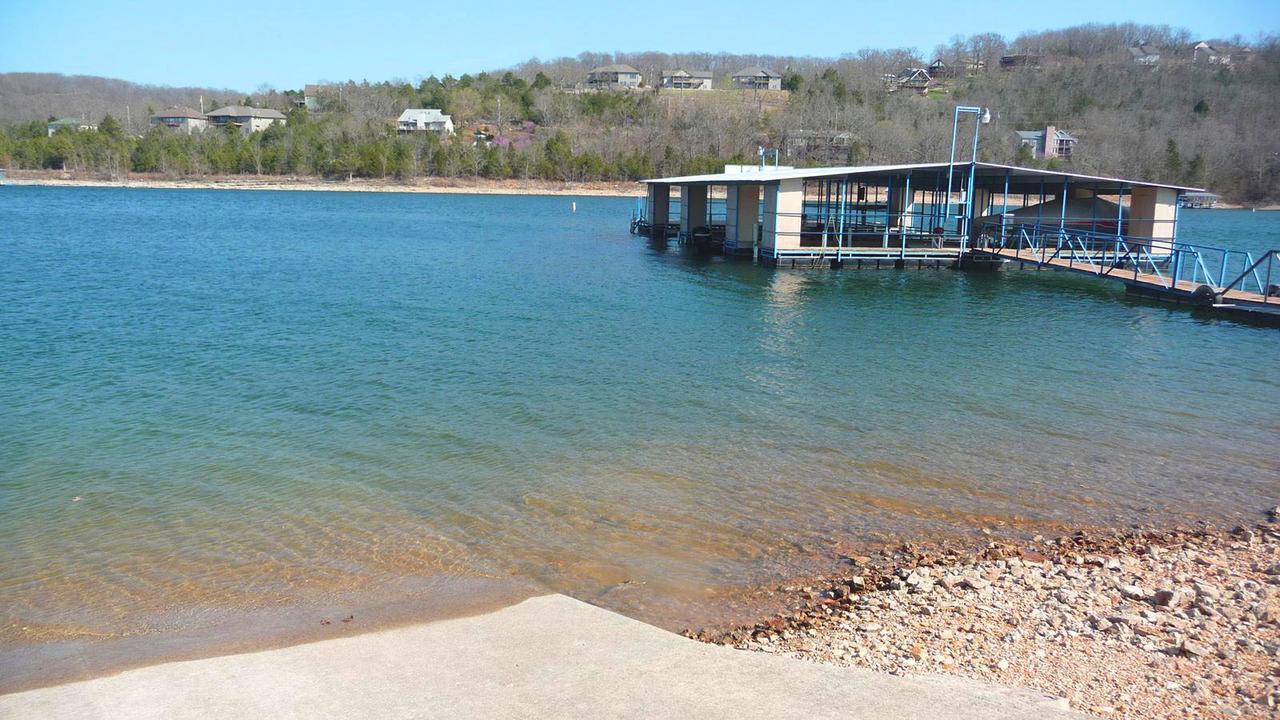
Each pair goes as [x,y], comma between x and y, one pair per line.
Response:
[1179,121]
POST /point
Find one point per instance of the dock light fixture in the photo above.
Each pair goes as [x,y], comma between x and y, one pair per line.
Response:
[765,152]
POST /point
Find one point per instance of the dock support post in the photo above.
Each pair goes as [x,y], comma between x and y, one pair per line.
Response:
[742,208]
[693,208]
[659,208]
[783,211]
[904,209]
[844,193]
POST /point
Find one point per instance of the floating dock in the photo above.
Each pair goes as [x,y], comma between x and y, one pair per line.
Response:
[965,215]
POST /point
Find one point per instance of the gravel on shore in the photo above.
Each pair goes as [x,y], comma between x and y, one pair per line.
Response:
[1140,624]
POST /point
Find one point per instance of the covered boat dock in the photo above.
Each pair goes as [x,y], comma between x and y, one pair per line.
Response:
[970,214]
[930,210]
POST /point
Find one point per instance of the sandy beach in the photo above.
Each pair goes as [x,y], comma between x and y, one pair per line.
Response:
[465,186]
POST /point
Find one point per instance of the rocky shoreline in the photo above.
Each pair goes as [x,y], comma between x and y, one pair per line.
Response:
[1135,624]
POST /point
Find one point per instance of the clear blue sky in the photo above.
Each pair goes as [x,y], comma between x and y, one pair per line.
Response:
[286,44]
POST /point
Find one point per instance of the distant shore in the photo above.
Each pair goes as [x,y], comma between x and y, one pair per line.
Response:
[464,186]
[460,186]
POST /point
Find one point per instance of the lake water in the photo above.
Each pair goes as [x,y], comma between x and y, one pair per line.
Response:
[224,414]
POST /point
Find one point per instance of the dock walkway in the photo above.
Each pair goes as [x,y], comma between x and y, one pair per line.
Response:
[1133,277]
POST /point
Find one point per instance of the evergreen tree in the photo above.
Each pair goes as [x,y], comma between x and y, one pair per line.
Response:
[1172,160]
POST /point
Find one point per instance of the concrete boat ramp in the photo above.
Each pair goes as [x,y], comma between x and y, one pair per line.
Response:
[547,657]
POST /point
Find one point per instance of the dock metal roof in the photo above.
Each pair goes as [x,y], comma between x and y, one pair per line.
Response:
[1020,178]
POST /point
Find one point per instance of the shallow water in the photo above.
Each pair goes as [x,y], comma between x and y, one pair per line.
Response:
[221,406]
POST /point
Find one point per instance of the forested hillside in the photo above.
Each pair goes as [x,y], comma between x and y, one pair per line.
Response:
[38,96]
[1177,119]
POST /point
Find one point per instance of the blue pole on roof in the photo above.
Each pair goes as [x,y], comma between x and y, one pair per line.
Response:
[1119,210]
[1040,207]
[1062,221]
[973,164]
[888,202]
[1005,211]
[902,218]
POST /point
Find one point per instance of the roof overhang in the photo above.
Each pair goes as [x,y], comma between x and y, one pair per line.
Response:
[924,176]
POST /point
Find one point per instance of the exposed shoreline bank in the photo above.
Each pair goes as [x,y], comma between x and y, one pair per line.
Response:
[979,616]
[430,185]
[1141,623]
[461,186]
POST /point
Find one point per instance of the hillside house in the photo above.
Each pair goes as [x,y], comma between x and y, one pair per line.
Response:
[1048,143]
[181,119]
[939,68]
[687,79]
[313,94]
[914,79]
[1202,53]
[614,77]
[247,119]
[68,123]
[1143,54]
[757,78]
[827,146]
[1020,60]
[425,120]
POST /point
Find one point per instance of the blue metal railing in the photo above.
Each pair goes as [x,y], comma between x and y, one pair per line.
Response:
[1169,261]
[1261,271]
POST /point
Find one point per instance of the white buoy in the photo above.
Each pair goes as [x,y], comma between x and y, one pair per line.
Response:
[573,207]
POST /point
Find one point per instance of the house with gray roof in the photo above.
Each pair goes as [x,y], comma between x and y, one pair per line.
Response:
[425,120]
[1048,143]
[247,119]
[687,79]
[614,77]
[314,93]
[181,119]
[1144,54]
[757,78]
[1202,53]
[916,80]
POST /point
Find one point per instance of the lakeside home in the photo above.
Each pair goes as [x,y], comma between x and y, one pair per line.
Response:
[425,120]
[1144,54]
[687,80]
[247,119]
[757,78]
[180,118]
[916,80]
[68,123]
[614,77]
[1048,143]
[1020,60]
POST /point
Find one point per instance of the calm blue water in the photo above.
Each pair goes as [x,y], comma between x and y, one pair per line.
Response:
[216,402]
